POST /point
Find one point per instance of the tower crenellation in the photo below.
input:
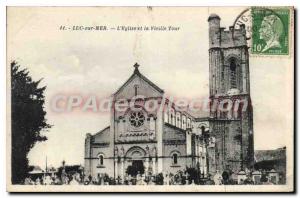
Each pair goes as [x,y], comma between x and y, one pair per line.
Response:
[220,37]
[228,53]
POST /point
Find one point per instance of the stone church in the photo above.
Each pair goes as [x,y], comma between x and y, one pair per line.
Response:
[145,141]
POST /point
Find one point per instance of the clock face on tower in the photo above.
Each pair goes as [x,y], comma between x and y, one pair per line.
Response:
[137,119]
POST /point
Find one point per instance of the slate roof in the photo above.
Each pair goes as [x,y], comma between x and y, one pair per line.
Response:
[102,136]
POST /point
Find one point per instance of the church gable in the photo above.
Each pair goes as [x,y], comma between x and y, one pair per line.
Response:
[138,84]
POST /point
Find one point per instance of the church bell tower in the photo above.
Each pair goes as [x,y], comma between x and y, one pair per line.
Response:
[231,116]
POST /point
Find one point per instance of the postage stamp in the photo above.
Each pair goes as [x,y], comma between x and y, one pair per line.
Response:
[270,31]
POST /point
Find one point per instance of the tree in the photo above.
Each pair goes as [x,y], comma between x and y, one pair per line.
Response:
[27,118]
[72,169]
[194,174]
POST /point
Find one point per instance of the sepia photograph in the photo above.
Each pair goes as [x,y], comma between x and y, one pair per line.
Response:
[150,99]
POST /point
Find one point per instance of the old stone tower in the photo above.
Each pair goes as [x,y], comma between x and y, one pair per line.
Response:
[231,117]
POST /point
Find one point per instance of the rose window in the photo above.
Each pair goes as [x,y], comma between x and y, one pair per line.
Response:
[137,119]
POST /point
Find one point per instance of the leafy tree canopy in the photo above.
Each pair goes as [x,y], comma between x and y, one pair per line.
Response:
[27,118]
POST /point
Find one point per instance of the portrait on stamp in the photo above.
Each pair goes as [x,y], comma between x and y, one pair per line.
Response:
[271,35]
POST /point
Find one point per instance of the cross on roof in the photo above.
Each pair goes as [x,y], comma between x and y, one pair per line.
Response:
[136,66]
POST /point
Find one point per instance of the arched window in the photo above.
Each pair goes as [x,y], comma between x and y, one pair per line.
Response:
[166,116]
[178,120]
[101,160]
[188,123]
[233,78]
[171,116]
[183,122]
[175,158]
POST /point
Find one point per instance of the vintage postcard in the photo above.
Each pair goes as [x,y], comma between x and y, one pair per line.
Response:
[161,99]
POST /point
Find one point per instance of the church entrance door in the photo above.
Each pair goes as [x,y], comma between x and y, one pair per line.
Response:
[137,167]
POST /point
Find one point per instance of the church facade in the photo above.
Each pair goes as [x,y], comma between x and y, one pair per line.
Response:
[168,140]
[143,141]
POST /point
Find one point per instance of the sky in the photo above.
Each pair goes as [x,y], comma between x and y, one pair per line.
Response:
[99,62]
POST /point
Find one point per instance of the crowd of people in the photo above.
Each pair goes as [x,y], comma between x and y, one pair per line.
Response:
[53,179]
[180,178]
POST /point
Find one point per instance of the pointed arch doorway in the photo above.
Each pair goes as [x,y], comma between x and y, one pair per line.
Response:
[136,158]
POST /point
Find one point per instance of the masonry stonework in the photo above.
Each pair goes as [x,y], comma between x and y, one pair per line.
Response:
[142,141]
[229,84]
